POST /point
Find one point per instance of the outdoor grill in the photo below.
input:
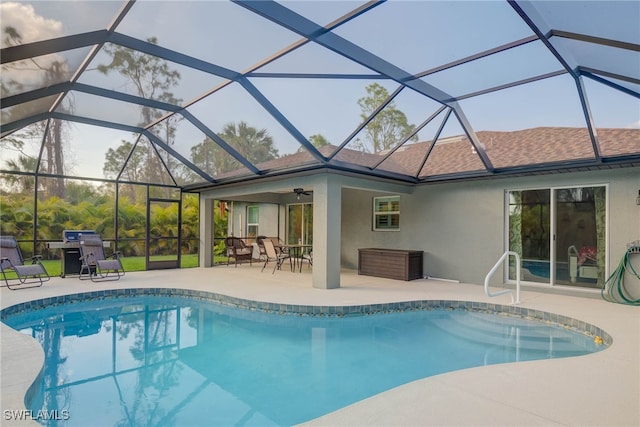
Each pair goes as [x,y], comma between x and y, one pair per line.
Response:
[70,246]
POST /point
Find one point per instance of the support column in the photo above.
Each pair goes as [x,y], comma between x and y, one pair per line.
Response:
[327,212]
[206,232]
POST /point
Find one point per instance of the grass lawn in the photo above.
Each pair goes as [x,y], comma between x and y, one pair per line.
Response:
[54,267]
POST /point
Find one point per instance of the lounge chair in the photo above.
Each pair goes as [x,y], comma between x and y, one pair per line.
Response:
[238,250]
[272,255]
[33,274]
[94,264]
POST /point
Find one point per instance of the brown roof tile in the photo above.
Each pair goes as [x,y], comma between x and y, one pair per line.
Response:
[456,154]
[517,148]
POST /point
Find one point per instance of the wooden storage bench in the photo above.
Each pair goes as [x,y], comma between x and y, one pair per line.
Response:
[390,263]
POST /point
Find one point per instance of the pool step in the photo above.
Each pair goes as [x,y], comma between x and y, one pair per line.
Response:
[508,331]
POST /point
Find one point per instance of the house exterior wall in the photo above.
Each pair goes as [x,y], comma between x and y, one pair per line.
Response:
[267,222]
[461,226]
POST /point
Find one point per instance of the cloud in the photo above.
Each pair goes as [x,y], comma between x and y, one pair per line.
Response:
[30,26]
[633,125]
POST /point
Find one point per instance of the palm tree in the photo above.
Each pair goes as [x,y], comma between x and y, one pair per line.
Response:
[254,145]
[21,183]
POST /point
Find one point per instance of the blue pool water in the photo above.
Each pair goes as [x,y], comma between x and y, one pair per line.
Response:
[145,360]
[541,269]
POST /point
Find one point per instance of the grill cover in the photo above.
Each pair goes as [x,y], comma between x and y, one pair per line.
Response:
[72,235]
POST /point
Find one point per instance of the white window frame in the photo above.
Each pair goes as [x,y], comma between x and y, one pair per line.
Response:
[253,224]
[377,213]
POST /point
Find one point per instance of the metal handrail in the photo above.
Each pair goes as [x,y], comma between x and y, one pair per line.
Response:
[509,291]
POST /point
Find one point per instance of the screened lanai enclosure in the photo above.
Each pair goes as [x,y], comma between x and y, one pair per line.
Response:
[116,115]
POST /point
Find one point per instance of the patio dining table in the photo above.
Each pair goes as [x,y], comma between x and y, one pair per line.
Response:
[296,252]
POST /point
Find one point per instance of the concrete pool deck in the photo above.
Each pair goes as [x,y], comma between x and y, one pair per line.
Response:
[601,389]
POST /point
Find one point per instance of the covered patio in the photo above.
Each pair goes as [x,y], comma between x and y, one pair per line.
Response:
[324,193]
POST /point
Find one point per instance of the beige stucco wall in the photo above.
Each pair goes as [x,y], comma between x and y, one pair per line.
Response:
[269,218]
[460,226]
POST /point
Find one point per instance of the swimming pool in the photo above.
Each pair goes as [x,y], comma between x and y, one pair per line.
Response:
[194,358]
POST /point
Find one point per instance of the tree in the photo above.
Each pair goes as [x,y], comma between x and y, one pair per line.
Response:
[115,159]
[317,140]
[150,75]
[211,158]
[16,215]
[254,145]
[152,78]
[135,170]
[190,223]
[79,191]
[21,183]
[388,127]
[49,71]
[54,157]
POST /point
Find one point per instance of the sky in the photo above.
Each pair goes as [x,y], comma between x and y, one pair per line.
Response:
[414,35]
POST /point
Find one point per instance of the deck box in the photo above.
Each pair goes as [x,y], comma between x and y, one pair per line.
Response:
[397,264]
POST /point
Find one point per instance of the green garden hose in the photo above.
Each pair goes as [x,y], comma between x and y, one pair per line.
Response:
[614,289]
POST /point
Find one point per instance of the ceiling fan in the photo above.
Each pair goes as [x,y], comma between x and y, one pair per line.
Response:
[300,191]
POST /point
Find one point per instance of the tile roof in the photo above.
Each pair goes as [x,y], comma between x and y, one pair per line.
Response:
[511,149]
[456,154]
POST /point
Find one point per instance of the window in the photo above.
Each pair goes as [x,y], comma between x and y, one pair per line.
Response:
[386,213]
[253,218]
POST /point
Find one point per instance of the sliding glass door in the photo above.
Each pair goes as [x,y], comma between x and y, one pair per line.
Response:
[529,233]
[560,234]
[300,223]
[580,236]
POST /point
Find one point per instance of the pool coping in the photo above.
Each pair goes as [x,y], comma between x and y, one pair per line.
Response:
[317,310]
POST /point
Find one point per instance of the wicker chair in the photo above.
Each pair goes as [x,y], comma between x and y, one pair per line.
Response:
[238,250]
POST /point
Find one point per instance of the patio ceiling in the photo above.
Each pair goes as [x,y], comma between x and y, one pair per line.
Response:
[462,89]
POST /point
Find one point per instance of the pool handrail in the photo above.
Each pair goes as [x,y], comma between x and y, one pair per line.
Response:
[506,291]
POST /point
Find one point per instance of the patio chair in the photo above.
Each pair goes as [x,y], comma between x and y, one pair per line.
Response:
[307,257]
[279,245]
[32,273]
[238,250]
[262,251]
[94,264]
[272,255]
